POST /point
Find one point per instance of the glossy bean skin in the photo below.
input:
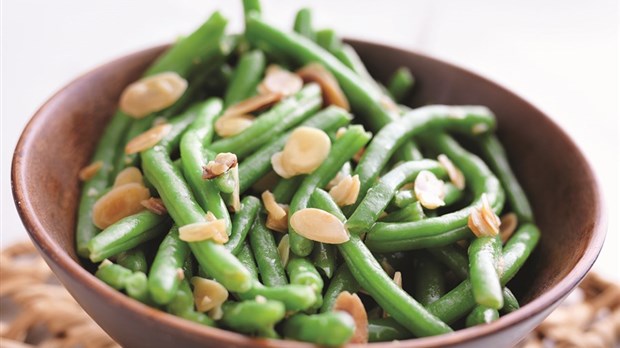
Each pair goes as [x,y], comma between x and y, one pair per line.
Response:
[511,303]
[246,257]
[481,315]
[301,271]
[385,330]
[324,258]
[252,316]
[265,252]
[341,281]
[401,83]
[285,189]
[245,77]
[114,275]
[411,212]
[134,259]
[164,276]
[242,223]
[484,253]
[182,305]
[294,297]
[303,23]
[429,282]
[328,329]
[137,288]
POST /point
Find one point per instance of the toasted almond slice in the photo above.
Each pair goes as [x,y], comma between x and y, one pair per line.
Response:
[352,304]
[90,170]
[152,94]
[479,129]
[398,279]
[155,205]
[208,294]
[222,163]
[508,225]
[336,180]
[252,104]
[127,176]
[332,94]
[455,174]
[346,191]
[210,217]
[276,164]
[340,132]
[199,231]
[147,139]
[305,150]
[358,155]
[284,250]
[235,199]
[278,225]
[280,81]
[429,190]
[319,225]
[482,220]
[118,203]
[227,126]
[272,207]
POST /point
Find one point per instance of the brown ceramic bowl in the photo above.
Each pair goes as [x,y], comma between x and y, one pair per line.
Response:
[61,136]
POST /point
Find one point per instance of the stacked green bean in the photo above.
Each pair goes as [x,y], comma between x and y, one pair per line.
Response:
[279,283]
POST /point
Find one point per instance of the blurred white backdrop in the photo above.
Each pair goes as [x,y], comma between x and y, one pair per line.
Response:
[560,55]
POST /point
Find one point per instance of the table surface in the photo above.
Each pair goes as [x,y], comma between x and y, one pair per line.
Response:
[561,56]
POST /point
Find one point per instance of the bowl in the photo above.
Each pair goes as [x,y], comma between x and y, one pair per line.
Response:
[61,136]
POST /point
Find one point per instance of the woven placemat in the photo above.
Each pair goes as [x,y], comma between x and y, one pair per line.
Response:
[37,311]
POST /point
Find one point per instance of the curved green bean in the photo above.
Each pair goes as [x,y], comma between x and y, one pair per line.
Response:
[164,277]
[246,77]
[242,223]
[253,316]
[329,328]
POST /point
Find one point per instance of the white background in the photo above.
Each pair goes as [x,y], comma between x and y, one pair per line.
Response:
[560,55]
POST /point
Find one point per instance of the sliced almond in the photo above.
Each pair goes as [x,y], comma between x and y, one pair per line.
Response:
[359,154]
[284,250]
[278,224]
[127,176]
[147,139]
[155,205]
[398,279]
[272,207]
[455,174]
[482,220]
[208,294]
[508,225]
[90,170]
[227,126]
[119,203]
[336,180]
[352,304]
[252,104]
[276,164]
[205,230]
[340,132]
[429,190]
[278,80]
[319,225]
[346,191]
[235,196]
[305,150]
[153,93]
[332,94]
[220,165]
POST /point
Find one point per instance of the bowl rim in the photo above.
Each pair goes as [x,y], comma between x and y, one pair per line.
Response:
[54,252]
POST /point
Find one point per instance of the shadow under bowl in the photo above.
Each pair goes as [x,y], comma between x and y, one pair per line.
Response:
[61,136]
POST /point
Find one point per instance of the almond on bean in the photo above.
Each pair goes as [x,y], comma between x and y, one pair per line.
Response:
[155,205]
[429,190]
[222,163]
[214,230]
[119,203]
[90,170]
[304,151]
[278,80]
[483,221]
[227,126]
[272,207]
[332,94]
[346,191]
[278,224]
[284,250]
[147,139]
[319,225]
[508,225]
[208,294]
[455,174]
[252,104]
[127,176]
[152,93]
[352,304]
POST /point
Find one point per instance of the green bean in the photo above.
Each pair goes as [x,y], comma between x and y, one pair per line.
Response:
[420,120]
[328,329]
[242,223]
[251,7]
[194,158]
[379,195]
[294,297]
[285,189]
[429,283]
[137,288]
[324,259]
[412,212]
[408,152]
[284,115]
[182,206]
[342,281]
[226,182]
[481,315]
[454,258]
[134,259]
[258,164]
[403,198]
[246,257]
[112,274]
[497,159]
[511,303]
[341,151]
[328,39]
[164,277]
[126,234]
[385,330]
[303,23]
[301,271]
[401,83]
[448,228]
[452,194]
[266,254]
[252,316]
[371,277]
[347,55]
[484,253]
[460,300]
[182,305]
[246,77]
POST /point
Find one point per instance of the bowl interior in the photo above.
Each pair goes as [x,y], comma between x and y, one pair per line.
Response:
[60,139]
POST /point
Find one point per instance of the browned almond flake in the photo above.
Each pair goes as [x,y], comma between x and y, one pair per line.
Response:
[272,207]
[305,150]
[429,190]
[90,170]
[352,304]
[252,104]
[508,225]
[482,220]
[228,126]
[205,230]
[155,205]
[346,191]
[220,165]
[118,203]
[319,225]
[332,94]
[147,139]
[280,81]
[456,176]
[152,93]
[127,176]
[284,250]
[208,294]
[278,224]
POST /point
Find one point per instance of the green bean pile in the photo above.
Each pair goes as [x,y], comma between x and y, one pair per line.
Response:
[399,265]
